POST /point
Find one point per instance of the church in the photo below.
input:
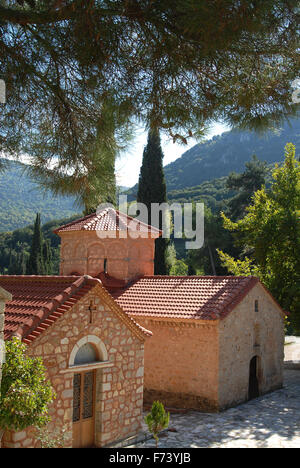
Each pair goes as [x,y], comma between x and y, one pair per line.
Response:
[113,336]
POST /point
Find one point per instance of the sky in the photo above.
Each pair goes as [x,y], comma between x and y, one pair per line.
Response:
[128,165]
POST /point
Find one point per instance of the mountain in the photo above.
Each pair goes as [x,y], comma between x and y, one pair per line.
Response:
[199,175]
[21,199]
[228,153]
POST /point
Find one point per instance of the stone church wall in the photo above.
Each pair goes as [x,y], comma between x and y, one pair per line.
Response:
[119,388]
[244,334]
[181,364]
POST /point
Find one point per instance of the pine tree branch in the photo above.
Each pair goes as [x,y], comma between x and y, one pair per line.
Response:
[69,12]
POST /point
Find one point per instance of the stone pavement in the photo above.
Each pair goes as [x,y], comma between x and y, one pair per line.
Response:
[292,349]
[270,421]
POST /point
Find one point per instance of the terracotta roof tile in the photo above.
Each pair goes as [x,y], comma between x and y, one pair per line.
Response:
[38,301]
[188,297]
[108,220]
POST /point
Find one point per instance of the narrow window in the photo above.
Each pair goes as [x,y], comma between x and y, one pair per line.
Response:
[256,306]
[105,265]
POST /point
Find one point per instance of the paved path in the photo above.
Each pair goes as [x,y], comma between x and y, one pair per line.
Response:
[270,421]
[292,349]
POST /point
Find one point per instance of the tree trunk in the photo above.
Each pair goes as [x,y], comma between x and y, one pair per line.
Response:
[1,435]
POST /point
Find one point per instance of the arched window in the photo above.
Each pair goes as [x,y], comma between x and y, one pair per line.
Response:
[88,350]
[86,355]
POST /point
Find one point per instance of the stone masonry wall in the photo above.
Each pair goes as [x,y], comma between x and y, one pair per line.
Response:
[181,364]
[119,389]
[244,334]
[84,252]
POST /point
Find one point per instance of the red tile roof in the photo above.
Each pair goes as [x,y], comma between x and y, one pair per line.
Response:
[110,282]
[38,301]
[108,220]
[187,297]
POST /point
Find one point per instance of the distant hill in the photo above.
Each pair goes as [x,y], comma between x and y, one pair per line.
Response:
[200,173]
[228,153]
[21,199]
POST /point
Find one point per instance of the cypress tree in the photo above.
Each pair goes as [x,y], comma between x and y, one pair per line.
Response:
[12,263]
[152,189]
[35,265]
[47,257]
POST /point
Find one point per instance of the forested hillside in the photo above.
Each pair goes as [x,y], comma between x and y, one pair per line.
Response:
[198,175]
[15,246]
[229,152]
[21,199]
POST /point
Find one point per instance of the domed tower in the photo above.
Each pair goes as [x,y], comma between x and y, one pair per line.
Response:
[110,243]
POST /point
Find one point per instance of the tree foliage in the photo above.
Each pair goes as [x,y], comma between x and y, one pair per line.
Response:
[40,257]
[157,420]
[15,248]
[25,391]
[205,261]
[79,74]
[252,179]
[271,233]
[152,189]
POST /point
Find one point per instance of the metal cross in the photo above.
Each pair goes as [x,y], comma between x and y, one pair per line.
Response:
[91,309]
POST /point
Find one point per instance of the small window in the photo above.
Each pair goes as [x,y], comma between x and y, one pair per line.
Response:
[256,306]
[105,265]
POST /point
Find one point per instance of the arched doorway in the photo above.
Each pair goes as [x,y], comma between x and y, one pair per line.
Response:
[253,379]
[88,351]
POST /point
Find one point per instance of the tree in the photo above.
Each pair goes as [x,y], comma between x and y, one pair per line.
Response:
[47,257]
[152,189]
[25,391]
[270,231]
[81,73]
[157,419]
[205,260]
[176,266]
[251,180]
[35,265]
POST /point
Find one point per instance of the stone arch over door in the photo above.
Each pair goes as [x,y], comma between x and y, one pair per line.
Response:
[94,341]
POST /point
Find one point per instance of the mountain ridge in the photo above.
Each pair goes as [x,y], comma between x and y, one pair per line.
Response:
[199,174]
[227,153]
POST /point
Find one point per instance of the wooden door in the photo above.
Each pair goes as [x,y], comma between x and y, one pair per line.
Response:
[83,409]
